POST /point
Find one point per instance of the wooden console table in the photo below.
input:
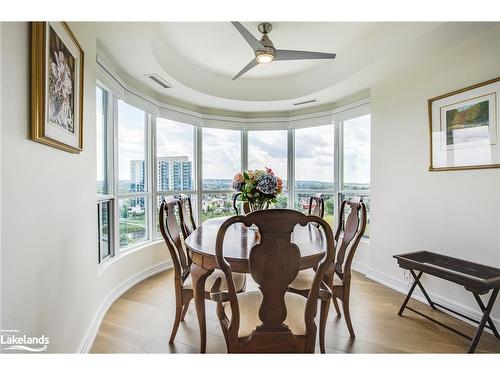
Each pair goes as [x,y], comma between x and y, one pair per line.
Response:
[476,278]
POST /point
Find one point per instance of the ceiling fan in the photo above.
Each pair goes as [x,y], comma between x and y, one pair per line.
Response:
[265,52]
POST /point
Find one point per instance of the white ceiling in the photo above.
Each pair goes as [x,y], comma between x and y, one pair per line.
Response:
[200,59]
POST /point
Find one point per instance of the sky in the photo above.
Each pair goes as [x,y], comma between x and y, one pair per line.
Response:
[221,153]
[357,150]
[131,137]
[268,149]
[314,148]
[174,139]
[314,153]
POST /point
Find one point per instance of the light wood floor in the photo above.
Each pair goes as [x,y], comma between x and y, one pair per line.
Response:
[140,322]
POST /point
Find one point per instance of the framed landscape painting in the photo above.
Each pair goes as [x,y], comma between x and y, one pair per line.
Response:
[464,130]
[56,86]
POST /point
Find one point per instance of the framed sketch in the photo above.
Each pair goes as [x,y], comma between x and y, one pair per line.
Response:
[464,128]
[56,86]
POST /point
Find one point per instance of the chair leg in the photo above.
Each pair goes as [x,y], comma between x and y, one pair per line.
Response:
[178,313]
[325,307]
[347,314]
[185,309]
[335,303]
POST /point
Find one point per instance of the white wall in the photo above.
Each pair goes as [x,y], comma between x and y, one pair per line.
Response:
[453,213]
[50,279]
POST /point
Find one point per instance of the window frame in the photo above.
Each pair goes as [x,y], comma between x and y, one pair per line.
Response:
[109,144]
[334,190]
[340,164]
[148,181]
[158,193]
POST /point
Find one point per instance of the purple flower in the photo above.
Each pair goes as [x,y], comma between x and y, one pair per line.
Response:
[267,184]
[237,185]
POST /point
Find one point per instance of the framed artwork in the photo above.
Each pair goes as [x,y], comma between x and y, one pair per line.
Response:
[464,130]
[56,86]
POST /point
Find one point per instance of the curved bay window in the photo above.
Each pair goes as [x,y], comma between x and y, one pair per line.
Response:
[155,156]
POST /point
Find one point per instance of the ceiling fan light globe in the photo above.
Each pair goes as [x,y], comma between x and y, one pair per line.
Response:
[265,58]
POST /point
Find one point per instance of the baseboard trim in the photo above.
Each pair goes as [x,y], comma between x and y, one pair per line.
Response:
[403,288]
[360,267]
[89,338]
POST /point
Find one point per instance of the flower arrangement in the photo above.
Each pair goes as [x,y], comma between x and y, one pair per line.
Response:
[258,187]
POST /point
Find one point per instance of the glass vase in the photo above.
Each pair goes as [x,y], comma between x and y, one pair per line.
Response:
[256,206]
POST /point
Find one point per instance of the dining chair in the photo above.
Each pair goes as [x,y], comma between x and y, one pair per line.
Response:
[270,319]
[347,236]
[246,205]
[317,205]
[188,224]
[183,285]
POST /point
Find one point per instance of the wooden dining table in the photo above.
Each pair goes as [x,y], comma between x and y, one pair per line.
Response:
[238,242]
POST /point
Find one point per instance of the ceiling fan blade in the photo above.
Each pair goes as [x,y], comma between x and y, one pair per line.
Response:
[285,54]
[250,65]
[254,43]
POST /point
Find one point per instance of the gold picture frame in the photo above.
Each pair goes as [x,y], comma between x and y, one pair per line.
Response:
[477,147]
[57,71]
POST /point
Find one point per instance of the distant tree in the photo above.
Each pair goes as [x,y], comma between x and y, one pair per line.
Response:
[329,205]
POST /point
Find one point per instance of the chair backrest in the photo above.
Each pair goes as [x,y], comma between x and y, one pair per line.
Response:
[348,235]
[317,205]
[171,231]
[274,264]
[188,224]
[246,206]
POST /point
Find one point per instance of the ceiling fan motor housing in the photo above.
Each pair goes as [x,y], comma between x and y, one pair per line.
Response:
[268,45]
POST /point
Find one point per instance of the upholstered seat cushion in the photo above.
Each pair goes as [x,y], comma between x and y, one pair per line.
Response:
[239,281]
[249,304]
[304,280]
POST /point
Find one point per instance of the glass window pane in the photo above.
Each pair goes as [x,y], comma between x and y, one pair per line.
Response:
[356,164]
[158,203]
[366,200]
[104,229]
[282,200]
[133,222]
[217,205]
[101,127]
[302,205]
[175,155]
[268,149]
[221,158]
[314,157]
[131,148]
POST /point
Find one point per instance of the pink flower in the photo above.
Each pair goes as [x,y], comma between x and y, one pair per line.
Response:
[238,177]
[270,171]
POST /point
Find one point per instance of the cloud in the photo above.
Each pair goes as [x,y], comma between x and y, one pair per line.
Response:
[314,153]
[357,150]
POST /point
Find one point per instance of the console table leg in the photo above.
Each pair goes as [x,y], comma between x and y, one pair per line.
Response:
[417,280]
[482,323]
[490,321]
[410,292]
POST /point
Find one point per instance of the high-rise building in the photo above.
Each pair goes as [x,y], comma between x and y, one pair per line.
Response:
[174,173]
[137,175]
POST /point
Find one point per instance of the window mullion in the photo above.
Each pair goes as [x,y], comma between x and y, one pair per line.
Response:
[338,161]
[244,150]
[152,175]
[291,167]
[199,171]
[115,209]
